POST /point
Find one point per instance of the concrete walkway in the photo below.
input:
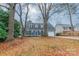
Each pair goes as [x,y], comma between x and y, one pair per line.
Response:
[75,38]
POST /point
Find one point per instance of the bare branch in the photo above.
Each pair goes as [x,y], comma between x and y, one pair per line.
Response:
[4,7]
[40,8]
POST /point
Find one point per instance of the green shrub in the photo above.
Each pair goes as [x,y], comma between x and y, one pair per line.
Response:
[16,28]
[3,35]
[4,17]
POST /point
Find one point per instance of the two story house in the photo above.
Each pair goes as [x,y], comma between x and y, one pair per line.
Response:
[36,29]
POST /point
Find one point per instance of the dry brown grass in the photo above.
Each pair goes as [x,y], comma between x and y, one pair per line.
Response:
[40,46]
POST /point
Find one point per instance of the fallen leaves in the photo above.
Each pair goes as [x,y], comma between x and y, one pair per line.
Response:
[40,46]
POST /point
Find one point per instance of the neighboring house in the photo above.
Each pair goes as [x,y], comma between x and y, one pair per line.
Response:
[36,29]
[62,27]
[76,27]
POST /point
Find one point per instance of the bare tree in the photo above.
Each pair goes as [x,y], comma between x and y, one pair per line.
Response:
[70,16]
[26,16]
[45,9]
[20,14]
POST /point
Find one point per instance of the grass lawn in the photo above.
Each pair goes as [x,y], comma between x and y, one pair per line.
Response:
[40,46]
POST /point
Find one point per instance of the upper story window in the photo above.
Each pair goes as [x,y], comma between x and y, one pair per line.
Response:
[36,26]
[30,25]
[41,26]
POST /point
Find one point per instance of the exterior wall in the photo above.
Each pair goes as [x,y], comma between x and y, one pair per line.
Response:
[34,29]
[76,28]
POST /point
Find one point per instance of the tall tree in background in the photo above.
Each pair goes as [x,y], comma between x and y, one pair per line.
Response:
[11,21]
[70,16]
[20,14]
[26,16]
[45,9]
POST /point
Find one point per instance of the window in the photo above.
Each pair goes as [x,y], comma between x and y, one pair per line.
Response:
[38,32]
[41,26]
[30,25]
[36,26]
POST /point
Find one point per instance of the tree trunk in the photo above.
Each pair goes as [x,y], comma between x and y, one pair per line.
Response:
[45,10]
[11,22]
[45,27]
[23,32]
[70,16]
[26,17]
[45,17]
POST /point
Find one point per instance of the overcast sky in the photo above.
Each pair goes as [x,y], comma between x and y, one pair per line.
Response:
[56,18]
[34,16]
